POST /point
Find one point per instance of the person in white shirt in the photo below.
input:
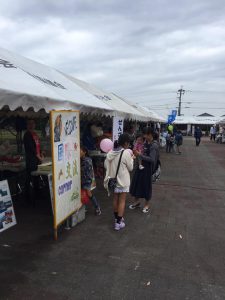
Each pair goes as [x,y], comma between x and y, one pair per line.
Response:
[213,133]
[122,157]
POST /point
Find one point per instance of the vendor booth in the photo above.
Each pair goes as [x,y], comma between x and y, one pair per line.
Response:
[29,90]
[61,112]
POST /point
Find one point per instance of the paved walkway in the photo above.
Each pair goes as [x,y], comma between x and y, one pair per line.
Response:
[176,252]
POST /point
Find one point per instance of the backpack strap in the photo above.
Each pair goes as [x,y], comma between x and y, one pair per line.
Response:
[119,163]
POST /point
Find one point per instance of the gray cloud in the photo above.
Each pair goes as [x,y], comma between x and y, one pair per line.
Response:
[142,50]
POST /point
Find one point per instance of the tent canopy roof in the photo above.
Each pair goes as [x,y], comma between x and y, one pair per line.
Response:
[26,83]
[196,120]
[116,103]
[222,121]
[205,115]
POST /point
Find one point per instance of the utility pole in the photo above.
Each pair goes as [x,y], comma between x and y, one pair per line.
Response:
[180,93]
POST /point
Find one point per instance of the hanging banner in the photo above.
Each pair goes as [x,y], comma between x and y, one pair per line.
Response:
[170,119]
[65,137]
[7,215]
[117,128]
[174,113]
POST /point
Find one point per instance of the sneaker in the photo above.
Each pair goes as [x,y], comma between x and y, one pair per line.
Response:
[122,220]
[119,226]
[98,211]
[141,167]
[146,210]
[132,206]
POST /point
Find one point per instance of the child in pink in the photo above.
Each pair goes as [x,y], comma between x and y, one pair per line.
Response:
[139,146]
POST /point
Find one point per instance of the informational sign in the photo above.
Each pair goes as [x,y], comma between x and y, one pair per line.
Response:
[7,214]
[66,182]
[117,128]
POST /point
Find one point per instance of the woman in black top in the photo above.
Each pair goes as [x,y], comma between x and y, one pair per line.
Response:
[141,186]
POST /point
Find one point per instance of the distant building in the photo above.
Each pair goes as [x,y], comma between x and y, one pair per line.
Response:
[205,115]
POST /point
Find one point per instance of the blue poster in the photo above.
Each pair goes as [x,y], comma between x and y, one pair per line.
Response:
[170,119]
[174,113]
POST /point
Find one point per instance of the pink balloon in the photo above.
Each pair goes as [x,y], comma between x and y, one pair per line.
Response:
[130,151]
[106,145]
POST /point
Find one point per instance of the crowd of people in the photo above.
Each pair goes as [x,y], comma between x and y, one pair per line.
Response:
[132,153]
[174,139]
[138,154]
[217,134]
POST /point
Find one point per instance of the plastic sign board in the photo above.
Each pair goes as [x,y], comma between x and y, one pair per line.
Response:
[66,181]
[117,127]
[7,214]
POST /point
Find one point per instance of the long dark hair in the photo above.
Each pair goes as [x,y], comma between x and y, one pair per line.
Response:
[123,139]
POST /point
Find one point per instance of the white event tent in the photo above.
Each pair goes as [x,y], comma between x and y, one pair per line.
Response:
[30,85]
[193,120]
[222,122]
[117,104]
[150,114]
[154,115]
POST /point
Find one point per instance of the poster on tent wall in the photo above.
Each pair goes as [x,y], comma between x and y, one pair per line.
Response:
[66,181]
[7,214]
[117,127]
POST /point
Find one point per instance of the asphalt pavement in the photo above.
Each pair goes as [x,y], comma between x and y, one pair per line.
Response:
[176,252]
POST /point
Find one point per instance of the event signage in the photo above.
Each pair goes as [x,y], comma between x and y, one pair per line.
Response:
[65,136]
[117,127]
[172,116]
[170,119]
[174,113]
[7,214]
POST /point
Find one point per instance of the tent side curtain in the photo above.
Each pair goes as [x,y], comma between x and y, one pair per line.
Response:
[12,101]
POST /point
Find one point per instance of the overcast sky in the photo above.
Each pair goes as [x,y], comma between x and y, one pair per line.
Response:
[141,50]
